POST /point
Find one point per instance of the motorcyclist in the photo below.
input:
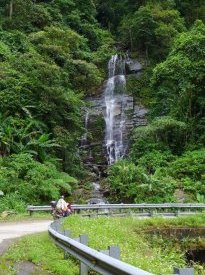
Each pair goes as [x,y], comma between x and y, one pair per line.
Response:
[63,208]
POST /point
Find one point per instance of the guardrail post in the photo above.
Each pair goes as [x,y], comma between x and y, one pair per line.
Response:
[183,271]
[114,251]
[151,213]
[83,268]
[67,233]
[58,226]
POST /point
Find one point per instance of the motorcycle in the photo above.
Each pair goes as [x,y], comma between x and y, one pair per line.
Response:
[58,213]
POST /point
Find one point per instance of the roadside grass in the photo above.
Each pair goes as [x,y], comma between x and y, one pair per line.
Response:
[193,221]
[6,267]
[41,251]
[155,254]
[26,217]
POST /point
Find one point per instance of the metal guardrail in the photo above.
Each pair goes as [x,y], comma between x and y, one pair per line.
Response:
[105,262]
[95,260]
[152,208]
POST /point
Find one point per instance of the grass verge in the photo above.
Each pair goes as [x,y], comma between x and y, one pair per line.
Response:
[26,217]
[156,254]
[41,251]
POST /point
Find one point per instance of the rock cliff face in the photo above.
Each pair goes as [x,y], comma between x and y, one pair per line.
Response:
[111,117]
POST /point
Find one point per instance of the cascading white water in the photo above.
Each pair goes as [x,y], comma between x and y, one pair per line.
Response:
[85,135]
[120,115]
[114,115]
[86,124]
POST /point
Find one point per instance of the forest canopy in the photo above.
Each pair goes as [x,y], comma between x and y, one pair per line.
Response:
[53,54]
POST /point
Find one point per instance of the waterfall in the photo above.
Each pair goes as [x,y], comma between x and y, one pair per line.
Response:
[105,142]
[85,135]
[115,105]
[86,124]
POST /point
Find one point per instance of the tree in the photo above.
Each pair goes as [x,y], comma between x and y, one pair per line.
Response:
[178,81]
[32,181]
[25,15]
[164,134]
[139,29]
[191,10]
[151,29]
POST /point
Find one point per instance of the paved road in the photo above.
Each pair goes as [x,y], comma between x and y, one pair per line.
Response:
[13,230]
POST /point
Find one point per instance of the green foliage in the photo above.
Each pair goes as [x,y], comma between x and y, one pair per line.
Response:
[163,134]
[5,52]
[191,10]
[130,233]
[154,159]
[140,28]
[157,170]
[151,29]
[156,254]
[156,152]
[16,41]
[164,175]
[178,81]
[189,173]
[12,201]
[25,180]
[129,183]
[25,15]
[52,53]
[37,249]
[110,12]
[190,164]
[25,135]
[123,180]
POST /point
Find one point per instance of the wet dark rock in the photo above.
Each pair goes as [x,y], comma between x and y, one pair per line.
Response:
[93,175]
[96,170]
[133,66]
[109,120]
[106,193]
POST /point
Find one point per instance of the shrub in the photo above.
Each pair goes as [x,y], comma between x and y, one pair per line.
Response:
[128,183]
[12,202]
[163,134]
[33,182]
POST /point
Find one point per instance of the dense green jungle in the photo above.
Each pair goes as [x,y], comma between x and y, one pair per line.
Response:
[54,54]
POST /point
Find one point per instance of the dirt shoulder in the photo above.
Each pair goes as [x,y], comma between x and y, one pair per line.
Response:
[12,230]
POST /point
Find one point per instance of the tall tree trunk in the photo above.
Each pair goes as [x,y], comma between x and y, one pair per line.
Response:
[11,9]
[131,41]
[146,54]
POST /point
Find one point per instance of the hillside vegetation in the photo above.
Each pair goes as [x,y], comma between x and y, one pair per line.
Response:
[167,157]
[54,53]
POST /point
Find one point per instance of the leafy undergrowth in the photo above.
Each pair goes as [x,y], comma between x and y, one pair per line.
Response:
[40,250]
[156,255]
